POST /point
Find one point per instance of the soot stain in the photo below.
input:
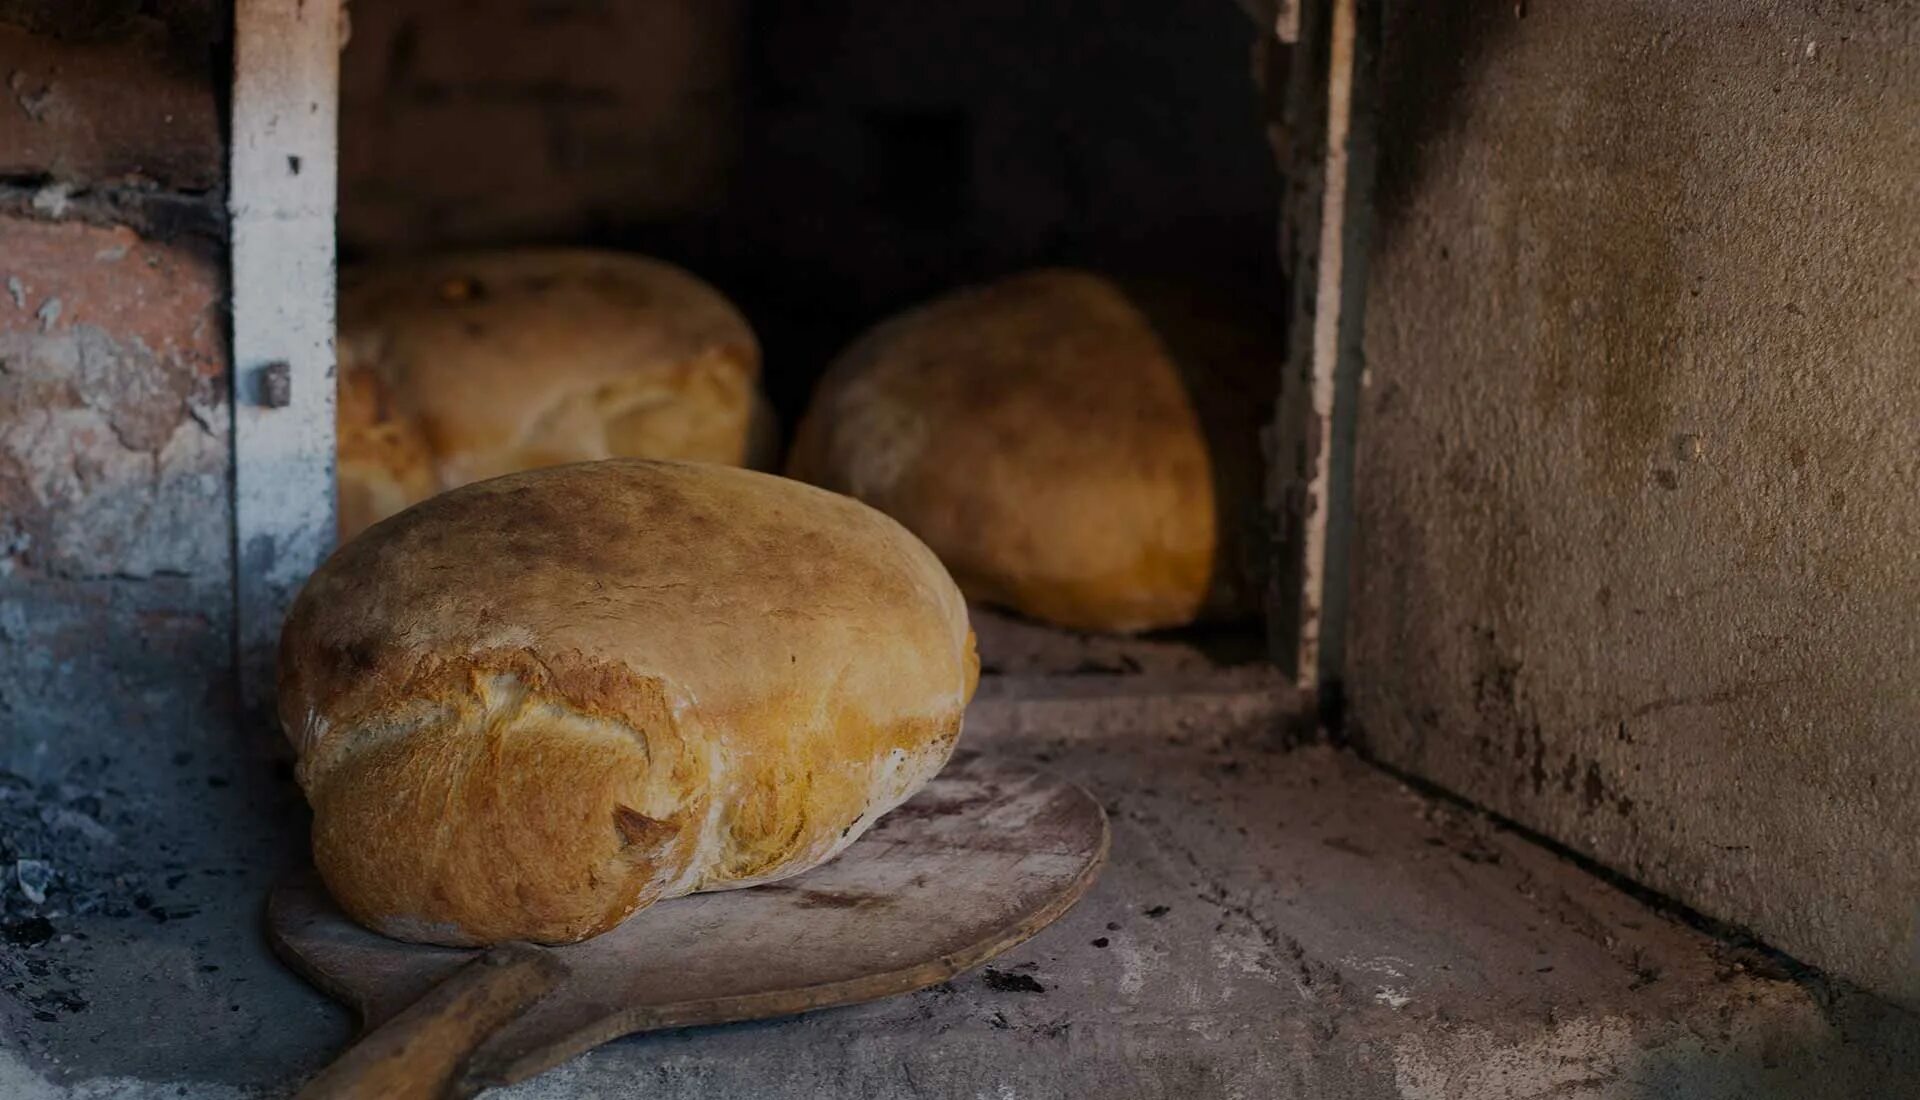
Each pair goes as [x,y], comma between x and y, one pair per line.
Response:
[1005,982]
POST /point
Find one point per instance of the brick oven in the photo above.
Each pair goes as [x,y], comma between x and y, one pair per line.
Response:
[1573,750]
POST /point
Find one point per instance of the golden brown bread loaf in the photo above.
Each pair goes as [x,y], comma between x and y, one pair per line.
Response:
[528,707]
[492,362]
[1042,436]
[384,461]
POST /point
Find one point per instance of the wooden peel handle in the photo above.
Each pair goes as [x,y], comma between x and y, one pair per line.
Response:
[421,1053]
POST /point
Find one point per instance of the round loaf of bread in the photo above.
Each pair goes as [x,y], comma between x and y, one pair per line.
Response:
[384,461]
[503,361]
[528,707]
[1044,439]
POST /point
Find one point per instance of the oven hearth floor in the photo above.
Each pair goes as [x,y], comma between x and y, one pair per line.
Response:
[1272,923]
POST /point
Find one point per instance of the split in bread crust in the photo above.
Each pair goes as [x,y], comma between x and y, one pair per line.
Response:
[528,707]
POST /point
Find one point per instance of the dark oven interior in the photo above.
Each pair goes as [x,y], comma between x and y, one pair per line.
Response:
[827,165]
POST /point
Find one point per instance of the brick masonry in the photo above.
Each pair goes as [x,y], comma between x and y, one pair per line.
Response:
[114,527]
[135,109]
[115,536]
[513,120]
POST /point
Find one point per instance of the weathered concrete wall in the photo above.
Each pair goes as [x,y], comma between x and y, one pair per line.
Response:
[1638,557]
[115,536]
[517,120]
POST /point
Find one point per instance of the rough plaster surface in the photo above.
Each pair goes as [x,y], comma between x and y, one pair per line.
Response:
[1638,542]
[1272,924]
[114,528]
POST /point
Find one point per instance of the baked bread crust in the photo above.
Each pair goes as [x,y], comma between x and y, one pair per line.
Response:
[513,360]
[528,707]
[384,461]
[1041,437]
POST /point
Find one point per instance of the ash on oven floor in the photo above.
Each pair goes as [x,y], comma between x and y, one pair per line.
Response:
[1298,925]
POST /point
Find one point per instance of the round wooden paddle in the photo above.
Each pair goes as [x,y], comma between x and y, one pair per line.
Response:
[977,862]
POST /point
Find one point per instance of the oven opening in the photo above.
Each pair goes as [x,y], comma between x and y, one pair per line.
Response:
[825,169]
[1297,548]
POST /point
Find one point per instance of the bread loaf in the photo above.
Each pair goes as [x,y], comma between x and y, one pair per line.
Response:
[1044,437]
[528,707]
[502,361]
[384,461]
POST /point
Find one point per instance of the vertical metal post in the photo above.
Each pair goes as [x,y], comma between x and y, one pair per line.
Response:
[1325,226]
[282,194]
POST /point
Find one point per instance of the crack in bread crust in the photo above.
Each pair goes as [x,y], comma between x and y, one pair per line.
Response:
[667,678]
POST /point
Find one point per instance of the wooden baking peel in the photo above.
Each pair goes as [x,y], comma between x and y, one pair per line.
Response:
[977,862]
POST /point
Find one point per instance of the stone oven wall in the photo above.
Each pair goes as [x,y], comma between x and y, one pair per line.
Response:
[115,537]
